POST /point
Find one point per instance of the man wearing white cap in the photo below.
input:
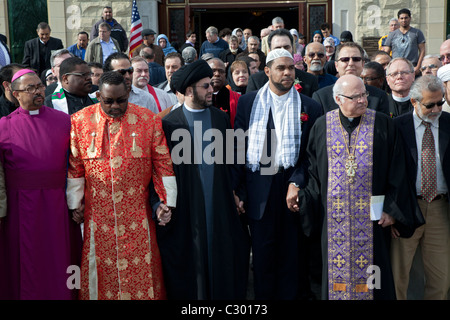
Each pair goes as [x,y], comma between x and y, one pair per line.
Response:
[444,74]
[277,120]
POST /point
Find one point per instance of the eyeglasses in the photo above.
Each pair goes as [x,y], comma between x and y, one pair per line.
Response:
[205,85]
[84,75]
[400,73]
[123,71]
[32,88]
[356,96]
[347,59]
[109,101]
[431,105]
[431,66]
[313,54]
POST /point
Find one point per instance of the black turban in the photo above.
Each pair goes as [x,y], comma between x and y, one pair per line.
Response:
[189,74]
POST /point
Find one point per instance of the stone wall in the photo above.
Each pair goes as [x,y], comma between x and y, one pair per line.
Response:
[69,17]
[372,19]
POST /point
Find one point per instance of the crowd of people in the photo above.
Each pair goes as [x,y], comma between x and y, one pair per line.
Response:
[120,164]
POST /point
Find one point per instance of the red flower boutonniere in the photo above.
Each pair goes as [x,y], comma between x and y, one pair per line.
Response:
[224,110]
[304,117]
[297,85]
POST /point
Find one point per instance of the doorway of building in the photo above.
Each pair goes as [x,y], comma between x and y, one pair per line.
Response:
[23,18]
[255,19]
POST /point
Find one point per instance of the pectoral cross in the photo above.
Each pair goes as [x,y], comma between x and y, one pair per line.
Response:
[350,167]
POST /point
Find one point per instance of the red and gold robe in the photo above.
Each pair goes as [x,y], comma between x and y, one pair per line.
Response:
[112,162]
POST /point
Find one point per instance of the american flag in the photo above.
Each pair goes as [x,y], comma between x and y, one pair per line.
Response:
[136,29]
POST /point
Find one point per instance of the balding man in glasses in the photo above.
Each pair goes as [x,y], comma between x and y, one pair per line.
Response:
[315,58]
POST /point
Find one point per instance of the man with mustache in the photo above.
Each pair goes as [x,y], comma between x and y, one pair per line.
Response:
[278,120]
[315,58]
[426,136]
[117,148]
[75,77]
[38,240]
[141,78]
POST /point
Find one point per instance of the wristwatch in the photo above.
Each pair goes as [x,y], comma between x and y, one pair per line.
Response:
[295,185]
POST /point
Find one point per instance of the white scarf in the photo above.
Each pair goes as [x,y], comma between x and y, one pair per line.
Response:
[291,134]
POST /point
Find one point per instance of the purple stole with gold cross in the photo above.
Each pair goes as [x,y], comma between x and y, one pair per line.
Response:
[349,227]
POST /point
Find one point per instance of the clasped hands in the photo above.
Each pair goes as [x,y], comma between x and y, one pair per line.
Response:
[163,214]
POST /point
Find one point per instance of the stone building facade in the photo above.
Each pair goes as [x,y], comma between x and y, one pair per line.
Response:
[365,18]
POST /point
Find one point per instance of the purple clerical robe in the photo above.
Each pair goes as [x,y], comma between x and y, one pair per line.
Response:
[38,240]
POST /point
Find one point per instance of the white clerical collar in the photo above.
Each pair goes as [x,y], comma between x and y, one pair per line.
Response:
[34,112]
[192,109]
[401,99]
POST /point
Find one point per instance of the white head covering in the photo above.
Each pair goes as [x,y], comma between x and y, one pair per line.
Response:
[294,32]
[278,53]
[329,42]
[444,73]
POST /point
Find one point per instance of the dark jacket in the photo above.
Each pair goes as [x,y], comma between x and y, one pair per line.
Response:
[117,32]
[31,53]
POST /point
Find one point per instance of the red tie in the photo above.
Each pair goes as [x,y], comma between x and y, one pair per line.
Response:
[429,184]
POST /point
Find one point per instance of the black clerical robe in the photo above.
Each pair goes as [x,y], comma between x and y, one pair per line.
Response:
[397,108]
[388,178]
[205,252]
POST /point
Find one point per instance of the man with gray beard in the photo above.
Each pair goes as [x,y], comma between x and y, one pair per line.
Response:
[426,136]
[315,58]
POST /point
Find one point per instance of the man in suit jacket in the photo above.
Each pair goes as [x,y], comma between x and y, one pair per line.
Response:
[282,38]
[5,56]
[37,51]
[432,195]
[272,186]
[349,60]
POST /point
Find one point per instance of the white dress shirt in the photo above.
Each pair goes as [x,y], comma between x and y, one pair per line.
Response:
[420,129]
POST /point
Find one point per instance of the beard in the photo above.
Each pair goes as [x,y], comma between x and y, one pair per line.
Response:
[427,117]
[315,67]
[201,101]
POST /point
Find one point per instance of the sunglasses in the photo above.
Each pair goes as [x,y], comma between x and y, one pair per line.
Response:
[313,54]
[431,66]
[431,105]
[123,71]
[347,59]
[205,85]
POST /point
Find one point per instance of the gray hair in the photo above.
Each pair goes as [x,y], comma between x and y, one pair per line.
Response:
[393,19]
[212,30]
[429,56]
[189,54]
[277,20]
[428,83]
[338,88]
[411,67]
[254,38]
[58,53]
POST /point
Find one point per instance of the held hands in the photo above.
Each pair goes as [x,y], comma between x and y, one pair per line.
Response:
[78,214]
[292,198]
[164,214]
[239,204]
